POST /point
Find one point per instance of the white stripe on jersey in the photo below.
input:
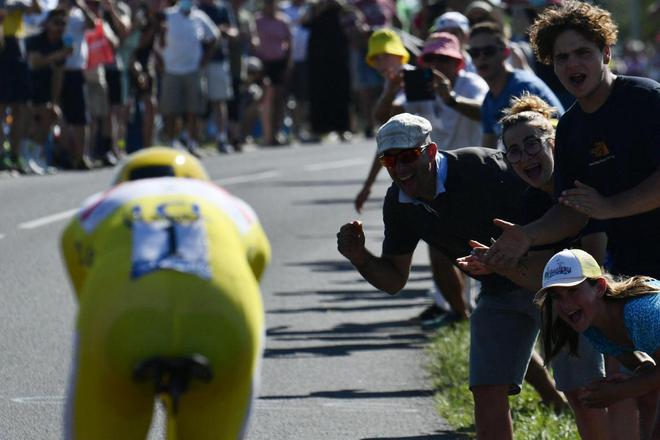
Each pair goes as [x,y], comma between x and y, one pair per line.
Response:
[98,207]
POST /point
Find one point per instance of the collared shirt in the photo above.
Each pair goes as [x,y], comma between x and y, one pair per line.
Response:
[441,178]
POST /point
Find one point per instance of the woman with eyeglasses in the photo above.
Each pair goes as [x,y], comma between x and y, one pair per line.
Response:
[528,140]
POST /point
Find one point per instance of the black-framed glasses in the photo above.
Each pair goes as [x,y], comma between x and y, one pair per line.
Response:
[407,157]
[531,147]
[487,51]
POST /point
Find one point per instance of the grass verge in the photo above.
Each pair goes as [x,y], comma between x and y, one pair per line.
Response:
[448,365]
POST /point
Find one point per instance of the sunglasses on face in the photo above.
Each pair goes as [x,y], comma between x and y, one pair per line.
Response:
[531,147]
[487,51]
[437,59]
[406,157]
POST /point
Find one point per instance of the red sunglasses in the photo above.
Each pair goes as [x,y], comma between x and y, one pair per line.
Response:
[404,156]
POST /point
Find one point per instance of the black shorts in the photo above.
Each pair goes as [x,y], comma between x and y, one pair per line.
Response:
[14,82]
[274,70]
[298,85]
[73,97]
[41,92]
[113,79]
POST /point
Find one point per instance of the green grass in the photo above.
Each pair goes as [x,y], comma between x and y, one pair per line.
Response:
[448,365]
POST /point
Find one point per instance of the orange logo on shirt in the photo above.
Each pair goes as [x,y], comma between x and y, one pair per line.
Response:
[599,150]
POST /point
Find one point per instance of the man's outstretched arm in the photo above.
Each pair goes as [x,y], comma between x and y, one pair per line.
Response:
[388,272]
[557,224]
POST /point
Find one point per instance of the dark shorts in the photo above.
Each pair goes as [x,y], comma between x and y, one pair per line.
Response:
[113,79]
[14,83]
[298,86]
[274,70]
[41,92]
[73,97]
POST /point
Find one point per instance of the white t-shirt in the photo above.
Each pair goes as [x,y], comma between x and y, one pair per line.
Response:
[75,30]
[451,129]
[183,41]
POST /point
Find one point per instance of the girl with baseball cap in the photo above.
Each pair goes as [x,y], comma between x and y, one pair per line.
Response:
[619,317]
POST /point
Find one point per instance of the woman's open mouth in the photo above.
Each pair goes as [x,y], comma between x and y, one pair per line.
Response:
[533,172]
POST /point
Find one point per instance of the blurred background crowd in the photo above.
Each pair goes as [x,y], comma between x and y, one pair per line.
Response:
[83,82]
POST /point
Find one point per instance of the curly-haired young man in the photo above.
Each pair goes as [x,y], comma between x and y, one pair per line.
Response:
[607,146]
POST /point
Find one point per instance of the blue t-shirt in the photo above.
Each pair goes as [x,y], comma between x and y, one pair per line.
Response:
[519,81]
[641,316]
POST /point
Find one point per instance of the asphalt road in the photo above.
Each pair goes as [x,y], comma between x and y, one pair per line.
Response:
[342,360]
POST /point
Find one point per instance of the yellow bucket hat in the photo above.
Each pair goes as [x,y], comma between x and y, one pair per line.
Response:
[386,41]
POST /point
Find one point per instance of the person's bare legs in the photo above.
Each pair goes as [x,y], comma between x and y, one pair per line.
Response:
[193,126]
[170,127]
[20,112]
[449,280]
[539,378]
[278,109]
[492,416]
[592,423]
[647,405]
[267,111]
[622,416]
[148,120]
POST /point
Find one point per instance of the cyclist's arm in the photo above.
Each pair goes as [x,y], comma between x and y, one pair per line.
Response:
[258,251]
[73,253]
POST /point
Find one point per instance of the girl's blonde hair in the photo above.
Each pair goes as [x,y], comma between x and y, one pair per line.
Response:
[555,333]
[529,108]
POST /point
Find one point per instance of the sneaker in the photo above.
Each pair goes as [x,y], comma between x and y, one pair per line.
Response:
[431,313]
[224,147]
[441,321]
[193,148]
[110,159]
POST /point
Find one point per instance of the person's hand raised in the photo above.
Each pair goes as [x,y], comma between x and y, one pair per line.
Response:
[350,242]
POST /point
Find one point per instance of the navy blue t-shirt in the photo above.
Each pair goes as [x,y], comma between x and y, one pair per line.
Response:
[614,149]
[41,79]
[220,13]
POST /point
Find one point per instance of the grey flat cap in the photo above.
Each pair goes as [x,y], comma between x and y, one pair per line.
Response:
[403,131]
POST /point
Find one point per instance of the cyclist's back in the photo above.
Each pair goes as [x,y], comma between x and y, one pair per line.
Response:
[164,267]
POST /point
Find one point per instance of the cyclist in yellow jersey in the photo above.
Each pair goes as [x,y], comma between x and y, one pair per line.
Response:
[164,263]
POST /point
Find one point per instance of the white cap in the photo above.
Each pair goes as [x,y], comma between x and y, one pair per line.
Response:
[569,267]
[451,20]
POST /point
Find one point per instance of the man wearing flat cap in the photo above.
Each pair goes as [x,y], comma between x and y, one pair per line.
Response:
[446,198]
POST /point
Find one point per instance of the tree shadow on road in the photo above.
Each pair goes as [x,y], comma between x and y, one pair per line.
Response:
[355,394]
[440,435]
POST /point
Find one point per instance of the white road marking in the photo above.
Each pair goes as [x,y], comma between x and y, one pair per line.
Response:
[52,400]
[334,165]
[2,236]
[343,406]
[43,221]
[247,178]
